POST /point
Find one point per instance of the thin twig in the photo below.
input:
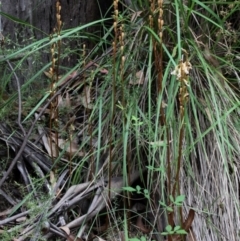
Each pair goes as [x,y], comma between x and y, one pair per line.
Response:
[13,218]
[8,198]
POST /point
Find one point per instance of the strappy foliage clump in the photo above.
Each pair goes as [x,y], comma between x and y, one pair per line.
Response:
[138,141]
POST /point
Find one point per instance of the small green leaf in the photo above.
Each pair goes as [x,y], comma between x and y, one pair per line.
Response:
[169,228]
[178,204]
[138,124]
[171,198]
[134,118]
[147,196]
[138,189]
[176,228]
[160,169]
[146,193]
[169,209]
[143,238]
[180,199]
[163,204]
[181,231]
[129,189]
[150,168]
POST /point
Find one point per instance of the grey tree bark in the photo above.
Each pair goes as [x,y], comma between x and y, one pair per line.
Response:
[41,15]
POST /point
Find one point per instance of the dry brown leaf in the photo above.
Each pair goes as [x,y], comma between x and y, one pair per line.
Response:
[52,179]
[91,63]
[50,75]
[68,100]
[100,239]
[21,219]
[141,226]
[135,15]
[208,112]
[73,238]
[164,104]
[72,148]
[191,236]
[60,101]
[103,71]
[5,212]
[66,230]
[64,102]
[45,140]
[85,97]
[52,152]
[139,78]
